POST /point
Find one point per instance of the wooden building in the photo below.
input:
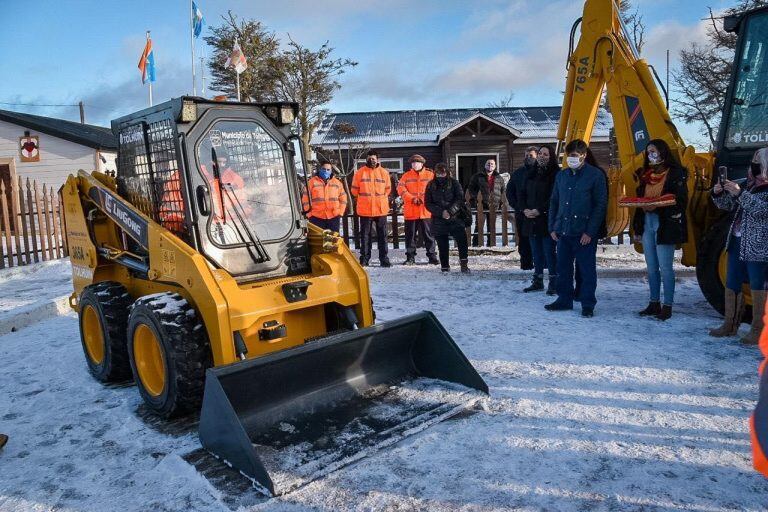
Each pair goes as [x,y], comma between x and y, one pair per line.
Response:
[47,149]
[464,139]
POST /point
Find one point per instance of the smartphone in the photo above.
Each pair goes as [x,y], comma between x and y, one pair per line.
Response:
[722,173]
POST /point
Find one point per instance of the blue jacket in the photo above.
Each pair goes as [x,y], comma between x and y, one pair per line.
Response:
[579,202]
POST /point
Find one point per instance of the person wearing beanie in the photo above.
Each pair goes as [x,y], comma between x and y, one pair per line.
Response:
[412,186]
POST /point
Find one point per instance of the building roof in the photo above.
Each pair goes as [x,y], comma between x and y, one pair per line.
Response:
[426,126]
[96,137]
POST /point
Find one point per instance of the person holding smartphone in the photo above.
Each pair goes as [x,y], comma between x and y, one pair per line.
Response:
[747,246]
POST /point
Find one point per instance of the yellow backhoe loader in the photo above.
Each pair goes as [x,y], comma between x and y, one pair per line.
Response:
[605,59]
[196,276]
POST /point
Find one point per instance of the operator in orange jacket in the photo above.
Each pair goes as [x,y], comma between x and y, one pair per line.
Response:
[758,424]
[411,189]
[326,201]
[371,187]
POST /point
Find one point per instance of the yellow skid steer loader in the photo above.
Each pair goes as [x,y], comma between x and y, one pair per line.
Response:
[196,275]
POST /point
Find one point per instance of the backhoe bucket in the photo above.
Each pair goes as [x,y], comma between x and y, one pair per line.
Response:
[288,418]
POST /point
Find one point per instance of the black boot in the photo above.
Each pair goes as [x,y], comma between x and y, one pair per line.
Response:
[552,285]
[445,269]
[537,284]
[364,262]
[653,309]
[464,266]
[409,260]
[665,313]
[385,263]
[433,259]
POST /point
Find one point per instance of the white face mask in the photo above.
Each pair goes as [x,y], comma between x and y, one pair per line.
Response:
[417,166]
[574,162]
[654,158]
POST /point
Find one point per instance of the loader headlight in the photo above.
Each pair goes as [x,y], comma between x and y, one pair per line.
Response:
[287,115]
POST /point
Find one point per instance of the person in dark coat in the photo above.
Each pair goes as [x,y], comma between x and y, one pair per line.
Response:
[491,185]
[603,231]
[445,201]
[534,202]
[514,191]
[576,211]
[662,229]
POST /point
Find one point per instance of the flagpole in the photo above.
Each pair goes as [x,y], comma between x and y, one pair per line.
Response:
[202,75]
[237,73]
[192,44]
[150,82]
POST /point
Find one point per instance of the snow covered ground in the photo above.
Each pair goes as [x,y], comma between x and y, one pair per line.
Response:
[610,413]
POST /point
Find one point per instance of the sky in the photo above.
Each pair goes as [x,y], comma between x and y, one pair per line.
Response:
[412,54]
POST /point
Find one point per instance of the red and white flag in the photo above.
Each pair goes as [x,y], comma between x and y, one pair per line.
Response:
[236,59]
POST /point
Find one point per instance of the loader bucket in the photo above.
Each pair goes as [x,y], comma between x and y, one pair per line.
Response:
[290,417]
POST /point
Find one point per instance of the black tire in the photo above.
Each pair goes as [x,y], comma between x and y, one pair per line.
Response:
[184,347]
[110,302]
[710,249]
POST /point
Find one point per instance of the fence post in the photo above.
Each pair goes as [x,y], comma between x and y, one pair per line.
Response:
[15,222]
[47,216]
[479,219]
[6,224]
[504,221]
[63,226]
[345,228]
[25,230]
[31,217]
[491,220]
[56,227]
[40,225]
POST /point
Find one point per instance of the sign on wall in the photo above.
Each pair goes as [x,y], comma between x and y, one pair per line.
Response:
[29,148]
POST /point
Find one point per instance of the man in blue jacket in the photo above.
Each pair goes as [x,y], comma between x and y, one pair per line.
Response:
[577,209]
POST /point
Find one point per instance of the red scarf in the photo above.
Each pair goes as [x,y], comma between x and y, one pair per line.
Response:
[651,177]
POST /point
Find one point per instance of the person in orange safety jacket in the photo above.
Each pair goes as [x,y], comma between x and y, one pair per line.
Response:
[371,187]
[411,189]
[326,201]
[758,424]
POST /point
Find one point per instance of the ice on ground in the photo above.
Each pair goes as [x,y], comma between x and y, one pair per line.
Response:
[610,413]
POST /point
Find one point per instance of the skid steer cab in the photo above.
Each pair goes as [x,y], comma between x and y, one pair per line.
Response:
[196,275]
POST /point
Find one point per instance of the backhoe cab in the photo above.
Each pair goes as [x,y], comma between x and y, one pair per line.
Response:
[196,275]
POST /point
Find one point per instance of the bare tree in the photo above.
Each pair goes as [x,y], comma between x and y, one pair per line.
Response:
[504,102]
[310,78]
[705,71]
[348,150]
[634,22]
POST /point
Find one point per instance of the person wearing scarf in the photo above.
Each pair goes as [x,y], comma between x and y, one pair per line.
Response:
[747,246]
[661,229]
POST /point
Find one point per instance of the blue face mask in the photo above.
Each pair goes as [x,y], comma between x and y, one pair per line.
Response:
[325,173]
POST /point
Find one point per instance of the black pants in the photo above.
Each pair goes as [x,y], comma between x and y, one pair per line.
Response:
[524,244]
[486,228]
[332,224]
[459,234]
[367,225]
[412,230]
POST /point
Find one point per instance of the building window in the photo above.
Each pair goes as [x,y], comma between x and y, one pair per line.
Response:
[393,165]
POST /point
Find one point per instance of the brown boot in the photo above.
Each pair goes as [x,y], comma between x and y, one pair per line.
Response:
[464,266]
[734,309]
[3,440]
[758,310]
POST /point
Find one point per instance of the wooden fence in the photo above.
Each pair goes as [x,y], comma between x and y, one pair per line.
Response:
[31,224]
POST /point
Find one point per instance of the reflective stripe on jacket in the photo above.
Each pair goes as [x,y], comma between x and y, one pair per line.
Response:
[371,188]
[411,188]
[326,200]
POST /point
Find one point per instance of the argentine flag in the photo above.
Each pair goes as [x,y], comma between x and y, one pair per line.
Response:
[197,20]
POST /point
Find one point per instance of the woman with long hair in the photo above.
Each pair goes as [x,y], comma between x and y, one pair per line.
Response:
[661,229]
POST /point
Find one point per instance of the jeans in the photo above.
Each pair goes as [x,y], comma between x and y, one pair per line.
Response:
[659,260]
[460,236]
[570,250]
[367,225]
[412,229]
[332,224]
[543,248]
[740,272]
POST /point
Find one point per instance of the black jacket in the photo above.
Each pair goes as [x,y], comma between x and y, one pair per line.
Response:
[535,195]
[444,195]
[516,186]
[673,227]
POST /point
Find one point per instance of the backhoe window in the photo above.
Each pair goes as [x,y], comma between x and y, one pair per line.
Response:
[245,171]
[748,123]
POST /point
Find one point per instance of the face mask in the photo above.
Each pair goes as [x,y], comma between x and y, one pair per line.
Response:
[530,160]
[756,169]
[543,160]
[372,163]
[574,162]
[324,173]
[441,177]
[417,166]
[654,158]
